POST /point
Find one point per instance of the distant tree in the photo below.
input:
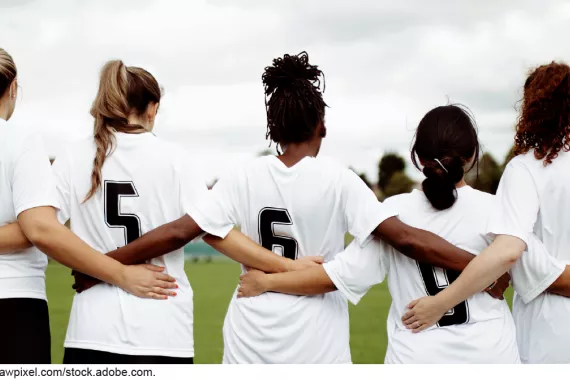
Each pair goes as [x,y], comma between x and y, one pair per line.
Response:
[489,175]
[509,156]
[363,177]
[389,164]
[399,183]
[266,152]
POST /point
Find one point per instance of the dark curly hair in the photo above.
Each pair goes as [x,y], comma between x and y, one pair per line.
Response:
[294,102]
[544,120]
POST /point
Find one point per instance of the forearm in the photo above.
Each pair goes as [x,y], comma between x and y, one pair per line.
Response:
[562,284]
[304,282]
[54,239]
[493,262]
[422,245]
[160,241]
[13,239]
[242,249]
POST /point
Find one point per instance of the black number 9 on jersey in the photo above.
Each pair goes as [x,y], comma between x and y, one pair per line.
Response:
[460,313]
[268,217]
[130,223]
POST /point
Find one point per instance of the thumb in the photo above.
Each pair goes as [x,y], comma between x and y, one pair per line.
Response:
[413,303]
[153,268]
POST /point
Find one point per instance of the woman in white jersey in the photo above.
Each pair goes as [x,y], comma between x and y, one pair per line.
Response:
[113,187]
[479,330]
[534,198]
[28,198]
[294,205]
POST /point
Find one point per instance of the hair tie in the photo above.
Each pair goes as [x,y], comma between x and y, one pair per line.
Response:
[440,164]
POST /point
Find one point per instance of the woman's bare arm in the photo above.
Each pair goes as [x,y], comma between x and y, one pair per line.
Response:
[13,239]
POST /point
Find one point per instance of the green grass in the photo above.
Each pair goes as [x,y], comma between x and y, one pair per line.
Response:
[213,285]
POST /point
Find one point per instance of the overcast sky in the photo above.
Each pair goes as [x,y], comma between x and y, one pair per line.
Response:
[386,64]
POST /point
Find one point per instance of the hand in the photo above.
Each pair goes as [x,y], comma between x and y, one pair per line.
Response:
[83,281]
[147,281]
[306,262]
[251,284]
[423,313]
[498,288]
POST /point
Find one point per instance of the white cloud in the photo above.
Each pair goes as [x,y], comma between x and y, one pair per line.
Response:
[386,64]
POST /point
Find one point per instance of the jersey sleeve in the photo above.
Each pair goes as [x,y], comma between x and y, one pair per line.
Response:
[517,205]
[535,271]
[62,173]
[212,209]
[355,270]
[362,209]
[32,179]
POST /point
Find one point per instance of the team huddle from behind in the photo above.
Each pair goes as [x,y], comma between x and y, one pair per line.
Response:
[139,200]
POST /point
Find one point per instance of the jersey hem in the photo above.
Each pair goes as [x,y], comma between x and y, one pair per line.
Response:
[130,351]
[23,294]
[42,203]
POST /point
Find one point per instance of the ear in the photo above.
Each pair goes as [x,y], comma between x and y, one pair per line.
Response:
[152,110]
[13,89]
[322,129]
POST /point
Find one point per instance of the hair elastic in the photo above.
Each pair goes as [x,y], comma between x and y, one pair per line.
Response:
[440,164]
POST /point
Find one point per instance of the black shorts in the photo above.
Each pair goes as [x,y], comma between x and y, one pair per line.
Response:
[25,336]
[83,356]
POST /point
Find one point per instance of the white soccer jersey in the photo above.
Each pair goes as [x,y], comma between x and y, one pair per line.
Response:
[536,198]
[144,182]
[479,330]
[298,211]
[25,182]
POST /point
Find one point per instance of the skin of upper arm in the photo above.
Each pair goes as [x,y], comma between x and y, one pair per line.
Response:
[395,233]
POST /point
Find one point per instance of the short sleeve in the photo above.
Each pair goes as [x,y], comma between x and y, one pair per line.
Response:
[32,179]
[355,270]
[517,205]
[62,172]
[535,271]
[362,209]
[212,210]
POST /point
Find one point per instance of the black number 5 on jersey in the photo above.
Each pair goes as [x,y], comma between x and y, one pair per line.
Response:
[460,313]
[130,223]
[268,217]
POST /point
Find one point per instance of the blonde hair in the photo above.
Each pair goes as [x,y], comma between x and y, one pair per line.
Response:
[8,71]
[123,91]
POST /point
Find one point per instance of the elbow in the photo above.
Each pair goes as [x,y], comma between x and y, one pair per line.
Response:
[39,232]
[511,249]
[512,255]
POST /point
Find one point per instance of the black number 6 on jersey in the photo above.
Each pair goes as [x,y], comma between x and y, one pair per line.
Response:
[130,223]
[268,217]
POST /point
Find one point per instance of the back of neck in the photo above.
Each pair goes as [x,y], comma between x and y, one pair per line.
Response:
[294,153]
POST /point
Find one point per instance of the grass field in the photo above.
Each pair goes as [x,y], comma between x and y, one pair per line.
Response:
[213,285]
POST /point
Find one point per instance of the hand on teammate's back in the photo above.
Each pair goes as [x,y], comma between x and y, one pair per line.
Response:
[252,283]
[500,286]
[144,281]
[306,262]
[423,313]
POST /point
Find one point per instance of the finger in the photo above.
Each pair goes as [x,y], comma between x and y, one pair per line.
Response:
[410,321]
[413,303]
[316,259]
[164,277]
[240,294]
[165,292]
[408,314]
[241,276]
[156,296]
[420,328]
[153,268]
[166,285]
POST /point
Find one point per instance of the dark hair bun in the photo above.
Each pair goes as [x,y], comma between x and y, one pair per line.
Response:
[439,185]
[290,71]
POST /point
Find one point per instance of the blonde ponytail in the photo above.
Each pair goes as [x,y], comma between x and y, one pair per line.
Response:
[122,91]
